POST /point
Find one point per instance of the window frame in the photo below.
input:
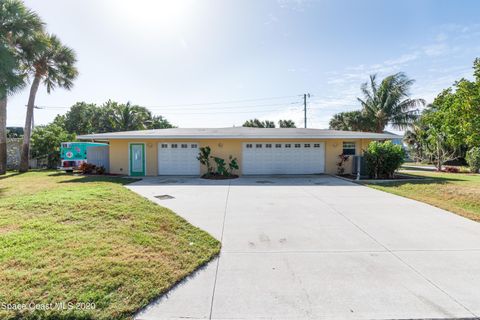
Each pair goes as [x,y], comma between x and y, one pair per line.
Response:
[349,148]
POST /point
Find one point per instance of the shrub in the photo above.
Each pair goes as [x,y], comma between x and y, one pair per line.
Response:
[473,159]
[341,162]
[86,168]
[204,158]
[382,159]
[452,169]
[100,170]
[221,166]
[232,164]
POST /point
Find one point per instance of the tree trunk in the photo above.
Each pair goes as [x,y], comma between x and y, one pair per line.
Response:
[3,135]
[27,131]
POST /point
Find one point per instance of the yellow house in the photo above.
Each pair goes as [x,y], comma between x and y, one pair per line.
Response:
[258,150]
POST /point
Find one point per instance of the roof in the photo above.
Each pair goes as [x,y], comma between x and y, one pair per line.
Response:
[238,133]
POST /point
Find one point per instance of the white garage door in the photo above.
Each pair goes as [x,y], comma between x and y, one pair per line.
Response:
[179,158]
[283,158]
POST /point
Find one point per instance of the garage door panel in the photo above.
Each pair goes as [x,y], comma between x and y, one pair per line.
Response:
[178,158]
[289,158]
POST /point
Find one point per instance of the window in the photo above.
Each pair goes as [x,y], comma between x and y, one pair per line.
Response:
[184,145]
[316,145]
[164,145]
[297,145]
[268,145]
[278,145]
[194,146]
[249,145]
[174,145]
[307,145]
[349,148]
[258,145]
[288,145]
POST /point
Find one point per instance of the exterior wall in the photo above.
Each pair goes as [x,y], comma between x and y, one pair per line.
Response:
[119,152]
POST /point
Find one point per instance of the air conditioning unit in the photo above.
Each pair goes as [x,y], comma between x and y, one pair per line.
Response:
[359,162]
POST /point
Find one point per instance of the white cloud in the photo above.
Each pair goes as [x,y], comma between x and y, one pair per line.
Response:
[435,49]
[402,59]
[296,5]
[271,19]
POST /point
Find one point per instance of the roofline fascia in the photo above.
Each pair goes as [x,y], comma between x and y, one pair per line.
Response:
[147,137]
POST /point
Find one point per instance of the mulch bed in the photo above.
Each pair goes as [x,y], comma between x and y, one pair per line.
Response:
[214,176]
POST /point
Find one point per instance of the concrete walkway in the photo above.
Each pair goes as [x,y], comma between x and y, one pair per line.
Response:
[316,247]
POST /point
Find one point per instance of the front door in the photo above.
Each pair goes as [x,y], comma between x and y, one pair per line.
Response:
[137,159]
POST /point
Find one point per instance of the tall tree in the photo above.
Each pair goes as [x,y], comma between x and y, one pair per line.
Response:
[382,104]
[18,25]
[126,117]
[82,118]
[286,124]
[46,141]
[352,121]
[159,122]
[415,138]
[255,123]
[389,102]
[54,64]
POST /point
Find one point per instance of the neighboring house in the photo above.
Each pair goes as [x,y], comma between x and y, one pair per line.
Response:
[398,140]
[258,150]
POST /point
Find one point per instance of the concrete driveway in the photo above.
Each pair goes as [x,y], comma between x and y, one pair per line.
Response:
[316,247]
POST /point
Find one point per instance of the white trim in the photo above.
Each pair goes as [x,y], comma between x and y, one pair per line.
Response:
[144,158]
[378,136]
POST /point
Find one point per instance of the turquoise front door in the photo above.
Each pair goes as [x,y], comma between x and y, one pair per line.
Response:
[137,159]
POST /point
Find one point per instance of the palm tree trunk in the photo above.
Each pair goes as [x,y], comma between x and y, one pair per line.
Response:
[27,131]
[3,135]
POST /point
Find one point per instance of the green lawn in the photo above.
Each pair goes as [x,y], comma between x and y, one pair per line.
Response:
[76,239]
[455,192]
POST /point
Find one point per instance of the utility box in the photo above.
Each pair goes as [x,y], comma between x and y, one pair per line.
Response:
[359,161]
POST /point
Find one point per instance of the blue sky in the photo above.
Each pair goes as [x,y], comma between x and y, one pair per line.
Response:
[175,57]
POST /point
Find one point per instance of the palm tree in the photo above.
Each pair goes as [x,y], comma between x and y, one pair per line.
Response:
[286,124]
[54,63]
[389,102]
[255,123]
[352,121]
[126,117]
[414,138]
[18,24]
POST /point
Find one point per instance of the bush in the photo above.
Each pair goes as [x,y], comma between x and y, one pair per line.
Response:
[46,142]
[221,166]
[86,168]
[100,170]
[342,159]
[473,159]
[452,169]
[204,158]
[382,159]
[232,164]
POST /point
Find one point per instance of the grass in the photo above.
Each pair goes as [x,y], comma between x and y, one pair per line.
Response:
[455,192]
[77,239]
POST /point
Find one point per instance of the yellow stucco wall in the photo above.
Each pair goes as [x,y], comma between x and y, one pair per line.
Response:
[119,151]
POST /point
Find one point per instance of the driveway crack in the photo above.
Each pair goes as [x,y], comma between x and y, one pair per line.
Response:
[219,256]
